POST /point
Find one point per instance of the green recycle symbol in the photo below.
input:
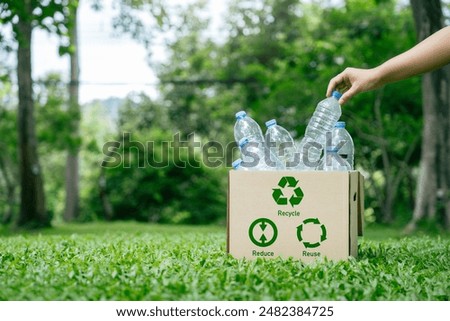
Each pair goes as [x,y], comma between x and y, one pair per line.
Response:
[281,199]
[323,237]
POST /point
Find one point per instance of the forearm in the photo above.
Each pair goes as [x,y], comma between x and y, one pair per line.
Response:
[428,55]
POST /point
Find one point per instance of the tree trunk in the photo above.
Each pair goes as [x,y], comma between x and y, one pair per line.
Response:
[388,198]
[71,211]
[432,195]
[32,207]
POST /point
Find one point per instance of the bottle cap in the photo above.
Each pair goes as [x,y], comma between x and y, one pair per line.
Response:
[241,114]
[243,141]
[340,124]
[236,163]
[336,94]
[271,122]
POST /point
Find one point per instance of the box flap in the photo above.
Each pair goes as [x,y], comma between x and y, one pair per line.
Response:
[360,204]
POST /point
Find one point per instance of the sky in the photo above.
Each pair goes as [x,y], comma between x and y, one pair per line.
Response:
[109,66]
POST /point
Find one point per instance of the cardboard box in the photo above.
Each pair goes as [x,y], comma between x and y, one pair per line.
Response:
[304,215]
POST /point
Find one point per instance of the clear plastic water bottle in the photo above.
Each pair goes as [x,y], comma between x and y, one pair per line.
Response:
[333,162]
[327,113]
[238,165]
[246,127]
[321,163]
[281,143]
[255,158]
[346,151]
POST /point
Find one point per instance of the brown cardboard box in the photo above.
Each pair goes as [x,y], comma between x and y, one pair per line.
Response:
[304,215]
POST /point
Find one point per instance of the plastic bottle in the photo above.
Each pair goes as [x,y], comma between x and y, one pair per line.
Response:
[237,165]
[333,162]
[255,157]
[280,142]
[327,113]
[346,151]
[246,127]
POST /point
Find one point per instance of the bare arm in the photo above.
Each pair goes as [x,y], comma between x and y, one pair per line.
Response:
[428,55]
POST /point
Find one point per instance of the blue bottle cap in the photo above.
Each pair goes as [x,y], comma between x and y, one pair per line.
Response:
[241,114]
[243,142]
[340,124]
[236,163]
[271,122]
[336,94]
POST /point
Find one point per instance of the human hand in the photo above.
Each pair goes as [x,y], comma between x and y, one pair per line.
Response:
[353,81]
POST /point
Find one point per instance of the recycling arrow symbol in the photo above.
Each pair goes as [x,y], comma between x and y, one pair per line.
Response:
[284,183]
[308,244]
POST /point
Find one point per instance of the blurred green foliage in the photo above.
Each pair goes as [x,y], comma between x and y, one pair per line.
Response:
[147,177]
[275,61]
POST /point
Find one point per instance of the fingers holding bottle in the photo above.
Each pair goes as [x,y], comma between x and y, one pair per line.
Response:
[353,81]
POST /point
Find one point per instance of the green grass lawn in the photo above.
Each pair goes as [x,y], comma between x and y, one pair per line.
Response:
[132,261]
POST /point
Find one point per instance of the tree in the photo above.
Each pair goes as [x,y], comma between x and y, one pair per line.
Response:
[71,211]
[32,206]
[433,194]
[23,16]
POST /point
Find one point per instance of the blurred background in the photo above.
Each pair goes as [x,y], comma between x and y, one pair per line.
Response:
[94,94]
